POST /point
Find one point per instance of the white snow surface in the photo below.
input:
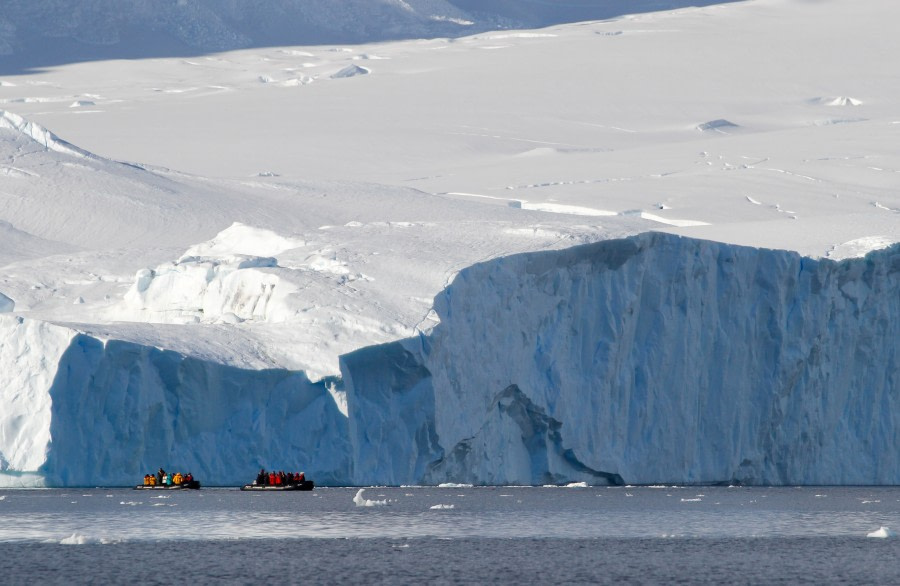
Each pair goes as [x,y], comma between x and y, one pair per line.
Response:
[504,258]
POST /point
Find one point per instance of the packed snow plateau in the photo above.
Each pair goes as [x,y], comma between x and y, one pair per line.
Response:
[659,247]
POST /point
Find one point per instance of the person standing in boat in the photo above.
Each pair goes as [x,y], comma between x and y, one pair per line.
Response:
[160,476]
[261,477]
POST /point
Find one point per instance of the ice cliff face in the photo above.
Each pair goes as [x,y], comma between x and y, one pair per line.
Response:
[83,411]
[651,359]
[645,360]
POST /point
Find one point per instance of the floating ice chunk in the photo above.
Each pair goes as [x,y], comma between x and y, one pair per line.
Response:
[454,485]
[577,485]
[74,539]
[441,507]
[882,533]
[360,501]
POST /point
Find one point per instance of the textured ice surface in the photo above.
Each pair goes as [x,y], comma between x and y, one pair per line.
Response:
[80,411]
[644,360]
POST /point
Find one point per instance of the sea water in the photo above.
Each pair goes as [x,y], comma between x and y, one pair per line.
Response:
[453,534]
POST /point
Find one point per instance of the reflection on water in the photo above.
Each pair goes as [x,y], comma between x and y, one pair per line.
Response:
[120,515]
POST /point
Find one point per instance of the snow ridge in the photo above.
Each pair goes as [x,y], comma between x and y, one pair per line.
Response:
[40,135]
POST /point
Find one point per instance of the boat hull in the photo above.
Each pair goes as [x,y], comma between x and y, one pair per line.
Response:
[304,486]
[193,485]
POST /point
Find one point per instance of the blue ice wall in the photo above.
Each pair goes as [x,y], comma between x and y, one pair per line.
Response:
[651,359]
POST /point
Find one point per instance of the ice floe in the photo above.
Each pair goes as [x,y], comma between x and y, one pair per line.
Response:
[360,501]
[882,533]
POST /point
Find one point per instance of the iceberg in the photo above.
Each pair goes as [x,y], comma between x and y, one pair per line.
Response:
[882,533]
[84,411]
[646,360]
[652,359]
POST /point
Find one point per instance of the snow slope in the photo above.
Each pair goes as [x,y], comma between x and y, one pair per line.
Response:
[622,250]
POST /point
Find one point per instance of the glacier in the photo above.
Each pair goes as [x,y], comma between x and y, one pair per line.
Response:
[650,359]
[653,359]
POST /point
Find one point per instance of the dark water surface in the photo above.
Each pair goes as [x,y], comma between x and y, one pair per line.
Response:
[452,535]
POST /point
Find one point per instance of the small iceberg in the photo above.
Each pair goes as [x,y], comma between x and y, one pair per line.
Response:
[360,501]
[442,507]
[882,533]
[75,539]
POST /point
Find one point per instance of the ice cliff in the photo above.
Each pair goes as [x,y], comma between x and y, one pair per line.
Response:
[82,411]
[650,359]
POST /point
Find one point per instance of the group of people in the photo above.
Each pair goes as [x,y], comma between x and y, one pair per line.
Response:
[162,478]
[279,478]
